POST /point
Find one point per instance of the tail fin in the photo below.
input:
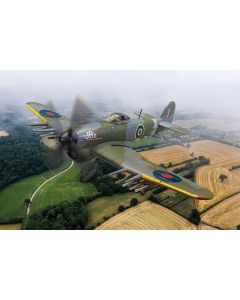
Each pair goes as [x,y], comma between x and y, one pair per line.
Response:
[168,113]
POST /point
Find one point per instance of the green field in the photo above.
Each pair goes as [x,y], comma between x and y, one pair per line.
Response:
[179,203]
[12,197]
[107,206]
[65,187]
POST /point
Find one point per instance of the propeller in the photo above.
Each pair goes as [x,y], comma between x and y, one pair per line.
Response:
[66,141]
[87,170]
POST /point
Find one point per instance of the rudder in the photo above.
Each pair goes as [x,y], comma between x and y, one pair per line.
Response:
[168,113]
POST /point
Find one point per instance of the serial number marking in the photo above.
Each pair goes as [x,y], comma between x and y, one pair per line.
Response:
[91,136]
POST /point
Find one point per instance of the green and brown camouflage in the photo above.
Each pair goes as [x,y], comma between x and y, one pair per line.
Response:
[110,138]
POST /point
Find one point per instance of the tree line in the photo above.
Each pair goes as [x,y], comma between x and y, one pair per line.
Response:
[63,216]
[21,155]
[106,185]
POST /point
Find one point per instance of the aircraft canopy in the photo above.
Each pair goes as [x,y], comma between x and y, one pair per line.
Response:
[117,118]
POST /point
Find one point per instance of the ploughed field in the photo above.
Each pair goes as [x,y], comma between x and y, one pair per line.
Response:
[147,215]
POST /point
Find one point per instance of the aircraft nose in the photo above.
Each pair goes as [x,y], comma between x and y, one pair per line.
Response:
[64,137]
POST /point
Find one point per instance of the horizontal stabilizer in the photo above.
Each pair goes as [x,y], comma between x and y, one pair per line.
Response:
[173,127]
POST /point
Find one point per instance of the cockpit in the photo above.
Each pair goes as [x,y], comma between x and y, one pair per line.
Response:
[117,118]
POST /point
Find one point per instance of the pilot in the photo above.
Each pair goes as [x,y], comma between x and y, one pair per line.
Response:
[117,118]
[114,118]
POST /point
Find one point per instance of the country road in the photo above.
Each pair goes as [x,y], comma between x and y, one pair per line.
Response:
[45,182]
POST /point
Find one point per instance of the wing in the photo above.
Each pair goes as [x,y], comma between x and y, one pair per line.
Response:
[173,127]
[48,115]
[125,158]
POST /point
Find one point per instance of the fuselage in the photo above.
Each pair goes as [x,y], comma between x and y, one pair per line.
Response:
[88,136]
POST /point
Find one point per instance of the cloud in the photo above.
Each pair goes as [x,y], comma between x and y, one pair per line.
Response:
[209,91]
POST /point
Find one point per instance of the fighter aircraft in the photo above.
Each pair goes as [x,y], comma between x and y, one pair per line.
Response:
[110,138]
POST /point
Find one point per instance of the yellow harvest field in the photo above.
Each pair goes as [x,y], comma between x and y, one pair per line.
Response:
[10,226]
[206,227]
[208,177]
[147,216]
[222,158]
[215,151]
[225,214]
[174,154]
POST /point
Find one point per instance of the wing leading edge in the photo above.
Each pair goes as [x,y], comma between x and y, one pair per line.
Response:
[49,116]
[124,157]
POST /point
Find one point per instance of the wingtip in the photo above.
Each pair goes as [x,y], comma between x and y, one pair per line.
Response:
[207,195]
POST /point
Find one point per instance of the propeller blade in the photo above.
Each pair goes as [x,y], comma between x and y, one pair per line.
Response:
[87,170]
[55,156]
[50,104]
[82,112]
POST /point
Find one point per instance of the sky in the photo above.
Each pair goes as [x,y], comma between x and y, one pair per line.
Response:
[196,91]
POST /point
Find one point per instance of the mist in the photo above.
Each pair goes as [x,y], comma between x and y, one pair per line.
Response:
[216,92]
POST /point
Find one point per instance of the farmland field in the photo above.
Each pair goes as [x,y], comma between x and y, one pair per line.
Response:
[12,197]
[64,187]
[11,226]
[209,178]
[174,154]
[206,227]
[107,206]
[222,158]
[215,151]
[225,214]
[145,216]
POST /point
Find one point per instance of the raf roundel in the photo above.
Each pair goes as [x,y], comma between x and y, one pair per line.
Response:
[49,114]
[166,176]
[139,131]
